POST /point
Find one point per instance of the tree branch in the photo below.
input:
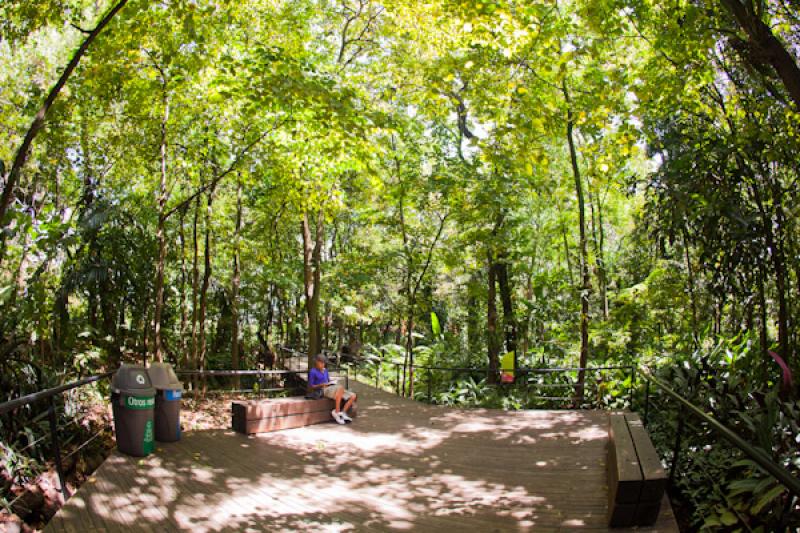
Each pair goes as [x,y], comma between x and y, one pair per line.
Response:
[212,184]
[38,121]
[430,254]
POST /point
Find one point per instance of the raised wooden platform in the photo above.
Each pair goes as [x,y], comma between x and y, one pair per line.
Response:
[401,466]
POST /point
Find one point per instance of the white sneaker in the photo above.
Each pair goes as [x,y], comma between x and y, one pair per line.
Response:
[344,417]
[337,417]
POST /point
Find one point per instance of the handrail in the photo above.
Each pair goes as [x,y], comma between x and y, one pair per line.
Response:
[377,363]
[49,394]
[185,372]
[10,405]
[535,370]
[756,454]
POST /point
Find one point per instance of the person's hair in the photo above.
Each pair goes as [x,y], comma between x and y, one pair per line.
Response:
[320,358]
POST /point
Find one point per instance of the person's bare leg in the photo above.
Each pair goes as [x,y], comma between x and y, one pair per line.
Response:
[350,403]
[338,399]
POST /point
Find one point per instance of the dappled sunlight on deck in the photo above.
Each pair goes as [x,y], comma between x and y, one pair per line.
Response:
[401,465]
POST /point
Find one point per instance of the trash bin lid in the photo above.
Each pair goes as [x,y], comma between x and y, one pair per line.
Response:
[132,380]
[163,377]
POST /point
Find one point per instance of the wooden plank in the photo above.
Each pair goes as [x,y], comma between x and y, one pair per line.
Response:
[401,465]
[624,474]
[653,474]
[138,493]
[625,470]
[277,423]
[281,406]
[119,505]
[189,458]
[243,465]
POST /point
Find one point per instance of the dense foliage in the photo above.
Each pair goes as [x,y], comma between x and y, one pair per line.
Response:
[586,182]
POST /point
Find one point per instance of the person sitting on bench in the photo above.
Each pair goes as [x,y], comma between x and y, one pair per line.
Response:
[321,386]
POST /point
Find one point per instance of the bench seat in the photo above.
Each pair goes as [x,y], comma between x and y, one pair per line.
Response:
[636,477]
[274,414]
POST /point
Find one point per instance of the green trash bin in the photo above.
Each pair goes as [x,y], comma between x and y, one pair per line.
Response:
[168,402]
[133,399]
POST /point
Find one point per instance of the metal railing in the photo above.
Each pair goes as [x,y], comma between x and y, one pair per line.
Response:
[261,378]
[403,372]
[758,455]
[50,395]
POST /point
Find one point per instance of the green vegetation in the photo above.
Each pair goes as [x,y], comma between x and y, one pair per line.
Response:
[581,183]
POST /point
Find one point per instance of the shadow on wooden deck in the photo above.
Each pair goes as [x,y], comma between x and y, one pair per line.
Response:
[402,465]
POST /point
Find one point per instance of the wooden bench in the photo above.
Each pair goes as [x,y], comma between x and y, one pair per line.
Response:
[636,478]
[262,416]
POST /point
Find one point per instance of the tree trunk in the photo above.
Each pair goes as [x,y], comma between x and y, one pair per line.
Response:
[195,284]
[598,239]
[206,283]
[161,237]
[776,255]
[312,253]
[88,196]
[763,335]
[409,358]
[235,281]
[692,290]
[509,321]
[270,315]
[566,254]
[473,317]
[184,311]
[493,346]
[782,278]
[584,256]
[282,329]
[767,46]
[110,330]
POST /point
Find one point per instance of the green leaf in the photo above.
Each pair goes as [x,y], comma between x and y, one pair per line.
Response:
[435,326]
[767,498]
[5,293]
[728,518]
[742,485]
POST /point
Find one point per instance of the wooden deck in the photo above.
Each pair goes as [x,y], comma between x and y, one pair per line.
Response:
[401,466]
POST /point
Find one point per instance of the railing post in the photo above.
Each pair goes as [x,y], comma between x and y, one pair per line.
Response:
[51,415]
[430,377]
[646,401]
[397,383]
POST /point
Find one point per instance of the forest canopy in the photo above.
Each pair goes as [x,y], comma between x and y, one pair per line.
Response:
[576,182]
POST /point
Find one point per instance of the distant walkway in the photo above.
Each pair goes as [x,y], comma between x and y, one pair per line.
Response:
[402,465]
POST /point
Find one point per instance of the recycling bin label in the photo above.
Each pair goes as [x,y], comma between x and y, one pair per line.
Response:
[140,402]
[172,394]
[148,442]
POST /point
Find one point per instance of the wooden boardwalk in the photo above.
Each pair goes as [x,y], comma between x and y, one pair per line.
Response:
[402,465]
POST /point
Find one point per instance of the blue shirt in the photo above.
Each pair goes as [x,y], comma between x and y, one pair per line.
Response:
[317,376]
